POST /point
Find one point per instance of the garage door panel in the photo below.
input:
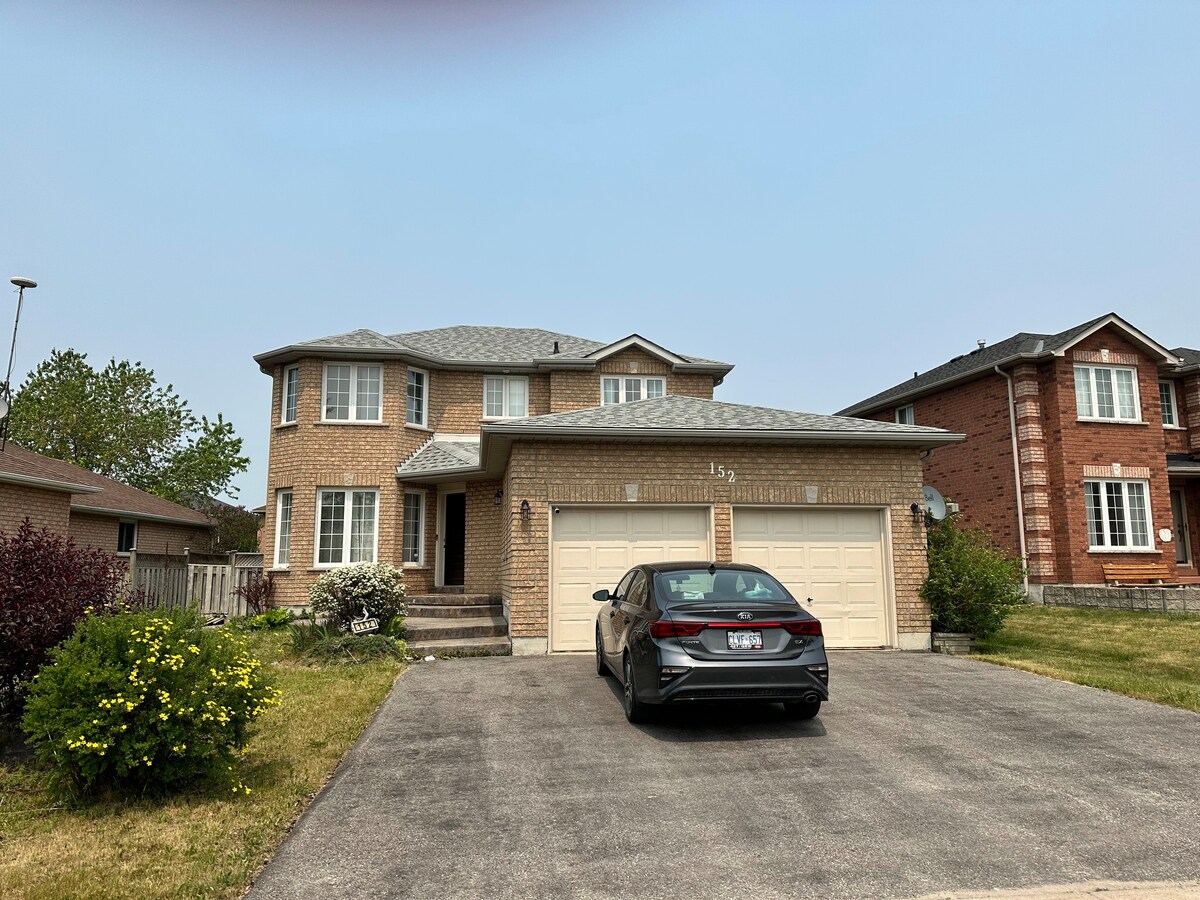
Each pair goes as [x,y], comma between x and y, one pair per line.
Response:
[834,556]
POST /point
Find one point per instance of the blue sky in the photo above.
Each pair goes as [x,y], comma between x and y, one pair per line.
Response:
[828,195]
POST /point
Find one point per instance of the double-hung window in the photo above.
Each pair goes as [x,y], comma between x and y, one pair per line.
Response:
[352,393]
[505,398]
[1166,394]
[1107,392]
[346,526]
[414,528]
[418,389]
[1118,515]
[291,390]
[627,390]
[904,415]
[283,528]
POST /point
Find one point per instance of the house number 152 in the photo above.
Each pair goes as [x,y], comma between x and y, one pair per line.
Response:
[721,472]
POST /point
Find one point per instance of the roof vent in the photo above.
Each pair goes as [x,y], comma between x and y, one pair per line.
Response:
[556,348]
[982,343]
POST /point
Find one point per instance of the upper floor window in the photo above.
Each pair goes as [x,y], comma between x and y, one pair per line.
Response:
[1166,394]
[283,528]
[291,390]
[346,526]
[904,415]
[1118,514]
[418,382]
[505,398]
[352,393]
[1107,392]
[627,390]
[126,536]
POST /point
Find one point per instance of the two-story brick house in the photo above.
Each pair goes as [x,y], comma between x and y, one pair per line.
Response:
[1083,447]
[537,467]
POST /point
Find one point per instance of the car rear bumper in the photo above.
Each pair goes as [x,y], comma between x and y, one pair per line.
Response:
[752,681]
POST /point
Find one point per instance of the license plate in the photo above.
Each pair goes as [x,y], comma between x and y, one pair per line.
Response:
[744,640]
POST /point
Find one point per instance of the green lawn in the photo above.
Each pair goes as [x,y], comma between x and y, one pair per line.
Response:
[1150,655]
[200,844]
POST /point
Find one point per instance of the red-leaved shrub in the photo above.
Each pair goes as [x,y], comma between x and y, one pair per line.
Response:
[47,584]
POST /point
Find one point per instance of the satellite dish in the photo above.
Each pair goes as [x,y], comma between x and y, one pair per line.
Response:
[3,407]
[934,504]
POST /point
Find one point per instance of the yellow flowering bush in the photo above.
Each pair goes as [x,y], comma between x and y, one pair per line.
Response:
[146,701]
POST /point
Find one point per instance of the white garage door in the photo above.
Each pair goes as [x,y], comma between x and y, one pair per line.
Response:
[834,556]
[592,547]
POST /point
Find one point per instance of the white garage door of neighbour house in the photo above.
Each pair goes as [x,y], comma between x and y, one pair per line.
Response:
[592,547]
[834,556]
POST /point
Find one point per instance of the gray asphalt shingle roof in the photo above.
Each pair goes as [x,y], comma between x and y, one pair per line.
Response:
[360,339]
[1189,356]
[439,456]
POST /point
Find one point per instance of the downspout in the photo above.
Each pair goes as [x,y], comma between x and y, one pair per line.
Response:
[1012,422]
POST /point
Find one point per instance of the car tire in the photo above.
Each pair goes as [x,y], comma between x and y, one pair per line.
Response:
[802,710]
[635,710]
[602,668]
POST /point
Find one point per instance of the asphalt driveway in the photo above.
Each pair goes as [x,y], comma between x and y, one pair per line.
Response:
[520,778]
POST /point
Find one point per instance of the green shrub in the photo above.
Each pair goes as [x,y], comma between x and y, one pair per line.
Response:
[326,644]
[972,584]
[341,594]
[145,701]
[276,617]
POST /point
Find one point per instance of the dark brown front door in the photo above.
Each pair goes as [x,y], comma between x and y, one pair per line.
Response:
[454,545]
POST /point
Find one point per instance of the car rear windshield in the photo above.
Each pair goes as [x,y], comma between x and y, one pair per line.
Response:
[690,585]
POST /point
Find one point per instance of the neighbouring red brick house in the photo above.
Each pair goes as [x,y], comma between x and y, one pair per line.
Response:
[1083,447]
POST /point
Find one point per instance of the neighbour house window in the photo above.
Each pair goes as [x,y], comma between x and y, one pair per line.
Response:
[505,398]
[1166,394]
[291,386]
[283,528]
[1118,514]
[346,526]
[414,528]
[352,393]
[417,381]
[1107,392]
[627,390]
[126,536]
[904,415]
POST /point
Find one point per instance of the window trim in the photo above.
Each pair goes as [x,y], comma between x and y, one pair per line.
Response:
[132,546]
[419,563]
[912,418]
[1095,400]
[1128,520]
[283,405]
[506,380]
[279,494]
[621,379]
[424,423]
[347,520]
[353,401]
[1170,386]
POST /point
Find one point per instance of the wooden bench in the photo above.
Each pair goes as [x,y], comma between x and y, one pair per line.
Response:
[1157,574]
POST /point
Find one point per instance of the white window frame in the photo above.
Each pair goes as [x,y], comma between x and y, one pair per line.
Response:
[133,546]
[288,372]
[424,423]
[1173,403]
[506,411]
[352,411]
[622,395]
[419,562]
[1094,400]
[1106,525]
[347,526]
[279,535]
[900,420]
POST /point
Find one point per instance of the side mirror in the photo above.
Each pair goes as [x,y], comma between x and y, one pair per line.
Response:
[601,596]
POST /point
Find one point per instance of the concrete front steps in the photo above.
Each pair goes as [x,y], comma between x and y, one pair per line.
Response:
[456,624]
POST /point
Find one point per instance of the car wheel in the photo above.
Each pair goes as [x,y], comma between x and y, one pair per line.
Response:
[635,710]
[802,710]
[602,668]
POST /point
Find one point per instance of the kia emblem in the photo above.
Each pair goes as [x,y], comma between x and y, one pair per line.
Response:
[745,616]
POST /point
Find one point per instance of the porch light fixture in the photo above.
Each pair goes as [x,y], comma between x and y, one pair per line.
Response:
[524,510]
[916,511]
[498,498]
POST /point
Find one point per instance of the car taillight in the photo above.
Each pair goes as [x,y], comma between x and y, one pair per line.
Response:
[810,627]
[665,628]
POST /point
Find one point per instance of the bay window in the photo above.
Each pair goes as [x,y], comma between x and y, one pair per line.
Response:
[352,393]
[346,526]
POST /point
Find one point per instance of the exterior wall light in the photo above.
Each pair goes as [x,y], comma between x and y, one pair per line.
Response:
[524,510]
[498,498]
[916,511]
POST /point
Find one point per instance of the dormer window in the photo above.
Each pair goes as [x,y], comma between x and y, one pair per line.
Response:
[352,393]
[628,390]
[1107,393]
[505,398]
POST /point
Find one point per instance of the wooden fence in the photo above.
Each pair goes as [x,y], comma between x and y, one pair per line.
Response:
[207,582]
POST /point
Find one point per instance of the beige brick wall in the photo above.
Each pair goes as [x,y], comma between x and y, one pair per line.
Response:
[485,527]
[45,509]
[546,473]
[90,530]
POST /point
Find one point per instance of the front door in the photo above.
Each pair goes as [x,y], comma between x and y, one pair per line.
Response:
[1183,545]
[454,544]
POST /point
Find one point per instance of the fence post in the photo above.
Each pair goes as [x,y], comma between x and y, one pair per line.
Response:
[133,568]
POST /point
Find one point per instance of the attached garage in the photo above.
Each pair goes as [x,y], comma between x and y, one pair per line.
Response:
[593,546]
[833,557]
